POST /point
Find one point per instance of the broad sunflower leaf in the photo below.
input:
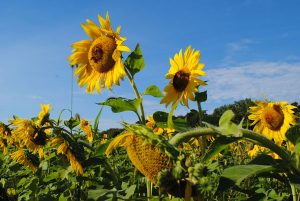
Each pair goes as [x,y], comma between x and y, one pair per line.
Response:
[240,172]
[154,91]
[293,134]
[51,176]
[100,150]
[96,194]
[201,96]
[96,123]
[227,127]
[161,119]
[122,104]
[135,61]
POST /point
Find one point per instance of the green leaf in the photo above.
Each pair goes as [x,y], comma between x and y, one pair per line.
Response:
[135,61]
[201,96]
[227,127]
[240,172]
[96,194]
[51,176]
[293,134]
[62,198]
[160,116]
[122,104]
[96,123]
[154,91]
[21,182]
[130,191]
[100,150]
[218,145]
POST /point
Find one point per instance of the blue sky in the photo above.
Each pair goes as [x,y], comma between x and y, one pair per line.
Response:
[250,48]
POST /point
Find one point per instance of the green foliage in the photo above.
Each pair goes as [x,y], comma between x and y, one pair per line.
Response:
[201,96]
[122,104]
[154,91]
[135,61]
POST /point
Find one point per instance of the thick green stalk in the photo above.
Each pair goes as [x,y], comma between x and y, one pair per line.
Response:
[203,144]
[137,94]
[266,143]
[184,136]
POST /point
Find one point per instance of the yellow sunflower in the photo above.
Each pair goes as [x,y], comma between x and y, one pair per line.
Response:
[87,129]
[99,60]
[64,149]
[152,125]
[28,135]
[183,73]
[21,158]
[147,158]
[272,119]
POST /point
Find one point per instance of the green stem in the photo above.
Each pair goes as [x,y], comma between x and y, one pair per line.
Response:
[170,116]
[266,143]
[137,94]
[294,192]
[113,174]
[184,136]
[203,144]
[149,192]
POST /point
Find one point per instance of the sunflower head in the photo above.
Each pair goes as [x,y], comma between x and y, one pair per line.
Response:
[25,158]
[146,150]
[44,114]
[87,129]
[272,119]
[183,73]
[99,60]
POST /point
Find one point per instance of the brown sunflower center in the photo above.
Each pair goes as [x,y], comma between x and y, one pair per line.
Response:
[274,117]
[101,54]
[39,138]
[181,80]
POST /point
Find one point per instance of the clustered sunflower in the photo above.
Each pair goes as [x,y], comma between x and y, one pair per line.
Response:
[99,60]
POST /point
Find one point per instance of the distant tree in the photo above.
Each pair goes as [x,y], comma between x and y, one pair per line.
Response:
[240,109]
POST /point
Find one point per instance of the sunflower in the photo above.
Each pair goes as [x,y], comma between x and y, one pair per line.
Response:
[87,129]
[44,114]
[20,157]
[272,119]
[5,133]
[64,149]
[147,158]
[183,73]
[152,125]
[99,60]
[28,135]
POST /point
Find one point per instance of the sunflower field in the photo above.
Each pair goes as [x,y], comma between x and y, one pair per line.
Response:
[249,150]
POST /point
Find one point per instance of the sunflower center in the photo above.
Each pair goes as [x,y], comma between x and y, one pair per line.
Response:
[39,138]
[181,80]
[274,117]
[101,54]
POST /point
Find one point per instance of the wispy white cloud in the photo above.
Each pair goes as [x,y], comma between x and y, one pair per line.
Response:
[272,80]
[233,48]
